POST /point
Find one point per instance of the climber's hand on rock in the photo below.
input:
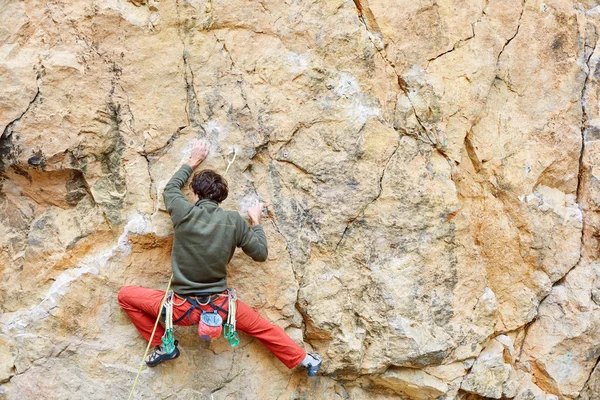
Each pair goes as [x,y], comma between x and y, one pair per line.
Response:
[254,212]
[199,153]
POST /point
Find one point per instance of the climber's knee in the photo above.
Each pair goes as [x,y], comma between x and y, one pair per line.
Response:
[123,296]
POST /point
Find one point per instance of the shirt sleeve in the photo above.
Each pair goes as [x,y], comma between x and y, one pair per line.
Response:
[177,204]
[253,241]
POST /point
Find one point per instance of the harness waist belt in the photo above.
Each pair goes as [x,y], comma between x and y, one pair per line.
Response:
[203,297]
[196,302]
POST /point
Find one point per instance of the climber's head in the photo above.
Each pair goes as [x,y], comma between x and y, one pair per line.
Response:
[209,185]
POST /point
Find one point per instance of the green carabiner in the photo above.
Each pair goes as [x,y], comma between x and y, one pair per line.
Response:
[227,330]
[231,335]
[234,339]
[168,341]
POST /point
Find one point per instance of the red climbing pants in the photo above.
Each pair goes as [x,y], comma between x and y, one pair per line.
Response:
[142,306]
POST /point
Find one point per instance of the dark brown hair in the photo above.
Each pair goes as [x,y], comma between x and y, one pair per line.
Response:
[207,184]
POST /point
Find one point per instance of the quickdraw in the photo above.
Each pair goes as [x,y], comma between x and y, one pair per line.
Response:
[230,159]
[229,328]
[167,339]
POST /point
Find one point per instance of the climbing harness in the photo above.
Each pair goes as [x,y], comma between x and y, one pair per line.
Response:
[229,328]
[211,322]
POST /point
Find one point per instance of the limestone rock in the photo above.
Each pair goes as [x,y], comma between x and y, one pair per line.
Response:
[430,170]
[492,374]
[567,329]
[592,386]
[7,361]
[414,383]
[528,390]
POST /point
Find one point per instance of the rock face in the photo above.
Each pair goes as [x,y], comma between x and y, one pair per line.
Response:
[431,170]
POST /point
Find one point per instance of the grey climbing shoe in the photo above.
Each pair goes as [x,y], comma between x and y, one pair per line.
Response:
[313,367]
[158,356]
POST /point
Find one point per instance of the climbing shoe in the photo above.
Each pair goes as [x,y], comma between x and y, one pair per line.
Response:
[313,363]
[158,355]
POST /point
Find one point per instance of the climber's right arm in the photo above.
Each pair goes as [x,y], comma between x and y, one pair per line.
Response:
[177,204]
[252,240]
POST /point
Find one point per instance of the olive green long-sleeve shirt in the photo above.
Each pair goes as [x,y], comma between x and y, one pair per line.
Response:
[206,237]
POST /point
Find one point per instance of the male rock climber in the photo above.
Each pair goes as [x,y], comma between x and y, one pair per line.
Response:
[206,237]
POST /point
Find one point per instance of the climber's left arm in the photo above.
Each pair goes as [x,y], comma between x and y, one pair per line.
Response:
[177,204]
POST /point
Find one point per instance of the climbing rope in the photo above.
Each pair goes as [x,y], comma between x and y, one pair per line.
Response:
[151,337]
